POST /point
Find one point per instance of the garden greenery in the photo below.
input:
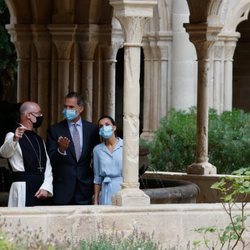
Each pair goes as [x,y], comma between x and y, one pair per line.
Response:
[174,144]
[8,64]
[234,191]
[17,237]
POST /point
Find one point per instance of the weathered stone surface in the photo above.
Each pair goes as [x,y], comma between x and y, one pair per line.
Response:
[172,224]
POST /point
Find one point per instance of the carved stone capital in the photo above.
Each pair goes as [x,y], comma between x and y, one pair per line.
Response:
[133,16]
[164,42]
[87,50]
[133,29]
[109,52]
[218,50]
[21,36]
[203,37]
[42,42]
[229,41]
[63,38]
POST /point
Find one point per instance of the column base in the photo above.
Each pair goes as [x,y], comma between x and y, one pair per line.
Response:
[202,168]
[131,197]
[147,136]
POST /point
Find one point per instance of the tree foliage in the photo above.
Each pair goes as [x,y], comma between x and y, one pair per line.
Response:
[8,63]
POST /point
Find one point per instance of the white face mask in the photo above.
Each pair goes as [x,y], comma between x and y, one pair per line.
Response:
[106,131]
[69,114]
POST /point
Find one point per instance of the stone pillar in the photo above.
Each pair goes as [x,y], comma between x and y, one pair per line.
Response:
[21,36]
[132,16]
[230,44]
[203,37]
[155,84]
[147,132]
[164,44]
[86,87]
[63,38]
[43,49]
[157,71]
[218,50]
[109,61]
[184,67]
[86,39]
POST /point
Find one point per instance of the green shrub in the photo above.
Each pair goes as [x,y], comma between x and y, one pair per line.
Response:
[174,145]
[234,192]
[133,241]
[16,237]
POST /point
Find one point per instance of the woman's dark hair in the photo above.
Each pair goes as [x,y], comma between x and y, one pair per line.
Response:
[108,117]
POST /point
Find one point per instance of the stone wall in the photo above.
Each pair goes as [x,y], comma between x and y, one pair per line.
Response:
[172,225]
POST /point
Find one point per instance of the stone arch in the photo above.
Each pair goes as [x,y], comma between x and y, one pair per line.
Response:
[20,12]
[162,19]
[157,41]
[237,12]
[231,15]
[51,28]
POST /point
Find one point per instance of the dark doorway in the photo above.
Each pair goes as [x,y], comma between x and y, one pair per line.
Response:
[119,90]
[241,68]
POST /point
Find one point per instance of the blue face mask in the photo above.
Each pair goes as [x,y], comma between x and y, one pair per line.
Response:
[106,131]
[69,114]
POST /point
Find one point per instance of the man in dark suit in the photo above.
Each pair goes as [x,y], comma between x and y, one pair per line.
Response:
[69,145]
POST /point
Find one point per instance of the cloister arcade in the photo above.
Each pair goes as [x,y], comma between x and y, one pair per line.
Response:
[188,50]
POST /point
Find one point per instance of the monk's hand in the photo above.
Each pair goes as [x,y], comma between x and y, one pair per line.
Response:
[63,143]
[19,133]
[41,194]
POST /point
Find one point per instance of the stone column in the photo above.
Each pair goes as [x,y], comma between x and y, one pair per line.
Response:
[63,38]
[147,132]
[218,50]
[164,44]
[155,84]
[21,36]
[109,61]
[43,49]
[183,63]
[87,42]
[230,44]
[203,37]
[132,16]
[157,93]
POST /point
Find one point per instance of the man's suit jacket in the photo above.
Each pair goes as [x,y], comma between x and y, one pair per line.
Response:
[72,180]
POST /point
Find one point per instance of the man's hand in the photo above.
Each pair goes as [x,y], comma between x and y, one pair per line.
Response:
[41,194]
[63,144]
[19,133]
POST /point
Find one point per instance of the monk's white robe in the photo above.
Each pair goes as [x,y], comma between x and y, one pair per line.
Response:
[12,151]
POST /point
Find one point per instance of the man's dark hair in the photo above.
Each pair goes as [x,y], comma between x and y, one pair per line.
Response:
[80,100]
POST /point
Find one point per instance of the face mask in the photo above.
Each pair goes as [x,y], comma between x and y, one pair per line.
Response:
[106,131]
[39,121]
[69,114]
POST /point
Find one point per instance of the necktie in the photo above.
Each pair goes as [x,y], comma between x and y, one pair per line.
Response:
[76,140]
